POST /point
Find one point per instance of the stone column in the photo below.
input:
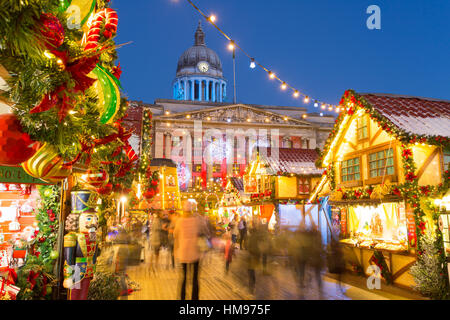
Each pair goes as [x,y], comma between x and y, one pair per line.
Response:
[168,147]
[159,145]
[188,156]
[213,92]
[192,82]
[206,90]
[185,90]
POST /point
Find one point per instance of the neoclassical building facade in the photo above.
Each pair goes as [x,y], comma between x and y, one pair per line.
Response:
[199,74]
[211,139]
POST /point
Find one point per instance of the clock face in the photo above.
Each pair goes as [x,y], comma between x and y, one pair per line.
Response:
[203,66]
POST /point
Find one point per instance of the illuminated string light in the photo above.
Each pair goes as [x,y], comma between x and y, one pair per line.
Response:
[316,104]
[296,94]
[232,46]
[306,100]
[323,106]
[283,86]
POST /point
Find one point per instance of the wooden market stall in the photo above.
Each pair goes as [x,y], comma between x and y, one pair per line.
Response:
[168,197]
[384,158]
[278,183]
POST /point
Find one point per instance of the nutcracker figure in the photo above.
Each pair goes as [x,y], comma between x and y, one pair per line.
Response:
[80,253]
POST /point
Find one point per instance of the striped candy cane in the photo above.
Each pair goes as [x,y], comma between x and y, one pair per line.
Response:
[109,18]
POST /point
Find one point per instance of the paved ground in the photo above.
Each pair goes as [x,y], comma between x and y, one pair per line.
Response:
[277,284]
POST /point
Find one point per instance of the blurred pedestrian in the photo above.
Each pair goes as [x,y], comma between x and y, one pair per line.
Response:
[165,222]
[316,256]
[336,262]
[187,252]
[155,240]
[229,250]
[233,227]
[173,219]
[253,259]
[242,232]
[300,248]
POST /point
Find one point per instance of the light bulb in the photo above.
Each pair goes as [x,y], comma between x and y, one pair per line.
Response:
[271,75]
[283,86]
[296,93]
[316,104]
[306,100]
[231,45]
[212,18]
[323,106]
[252,64]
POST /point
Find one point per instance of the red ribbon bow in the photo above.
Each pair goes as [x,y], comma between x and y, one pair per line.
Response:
[32,278]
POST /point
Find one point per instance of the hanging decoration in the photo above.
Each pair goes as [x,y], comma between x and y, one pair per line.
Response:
[47,164]
[16,146]
[107,88]
[103,23]
[93,179]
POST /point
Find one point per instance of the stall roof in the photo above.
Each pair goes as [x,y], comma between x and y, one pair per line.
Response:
[289,160]
[237,183]
[416,115]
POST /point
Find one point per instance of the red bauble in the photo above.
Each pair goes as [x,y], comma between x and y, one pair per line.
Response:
[53,30]
[96,179]
[154,183]
[149,194]
[16,146]
[107,189]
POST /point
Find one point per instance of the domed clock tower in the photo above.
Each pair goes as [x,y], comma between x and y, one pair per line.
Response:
[199,73]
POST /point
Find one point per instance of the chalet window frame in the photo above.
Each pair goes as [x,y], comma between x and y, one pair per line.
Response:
[384,167]
[308,184]
[359,128]
[341,169]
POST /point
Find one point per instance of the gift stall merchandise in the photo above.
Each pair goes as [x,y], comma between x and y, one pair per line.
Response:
[19,197]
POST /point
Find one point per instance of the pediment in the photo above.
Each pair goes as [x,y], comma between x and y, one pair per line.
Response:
[238,113]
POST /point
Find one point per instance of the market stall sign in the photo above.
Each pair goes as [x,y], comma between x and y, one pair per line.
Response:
[17,175]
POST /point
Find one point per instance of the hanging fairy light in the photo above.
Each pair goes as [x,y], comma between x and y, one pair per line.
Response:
[232,46]
[323,106]
[283,86]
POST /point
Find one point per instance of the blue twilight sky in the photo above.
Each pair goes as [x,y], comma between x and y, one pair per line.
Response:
[321,47]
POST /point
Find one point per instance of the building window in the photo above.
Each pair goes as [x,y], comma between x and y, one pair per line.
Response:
[287,143]
[381,161]
[363,129]
[303,186]
[236,168]
[197,168]
[350,170]
[446,158]
[217,168]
